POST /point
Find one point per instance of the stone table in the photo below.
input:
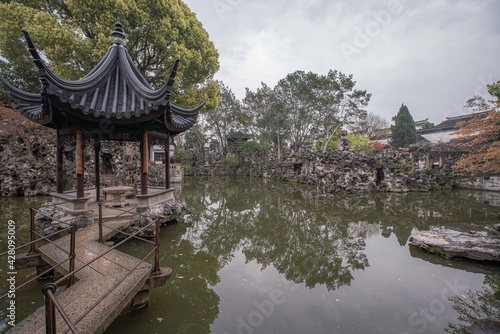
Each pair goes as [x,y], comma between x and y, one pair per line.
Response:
[117,194]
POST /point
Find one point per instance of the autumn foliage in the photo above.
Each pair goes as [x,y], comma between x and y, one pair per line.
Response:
[378,146]
[12,121]
[481,137]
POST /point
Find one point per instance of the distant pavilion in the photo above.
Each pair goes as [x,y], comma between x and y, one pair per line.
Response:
[112,102]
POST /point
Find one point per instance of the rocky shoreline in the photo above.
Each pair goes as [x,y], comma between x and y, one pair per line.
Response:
[28,160]
[474,245]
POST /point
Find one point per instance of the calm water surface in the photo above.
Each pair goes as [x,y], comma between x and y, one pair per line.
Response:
[265,257]
[29,298]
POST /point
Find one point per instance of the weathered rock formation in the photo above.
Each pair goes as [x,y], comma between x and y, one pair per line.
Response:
[476,245]
[166,212]
[51,219]
[27,160]
[28,167]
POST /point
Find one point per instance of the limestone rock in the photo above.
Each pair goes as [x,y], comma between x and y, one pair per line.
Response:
[50,219]
[475,245]
[166,212]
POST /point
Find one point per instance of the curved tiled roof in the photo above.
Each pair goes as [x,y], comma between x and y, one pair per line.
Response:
[114,89]
[30,105]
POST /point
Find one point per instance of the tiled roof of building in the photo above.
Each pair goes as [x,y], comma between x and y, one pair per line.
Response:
[451,123]
[114,89]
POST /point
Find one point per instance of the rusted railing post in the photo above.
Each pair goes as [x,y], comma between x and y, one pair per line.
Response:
[49,290]
[157,269]
[100,223]
[32,231]
[72,256]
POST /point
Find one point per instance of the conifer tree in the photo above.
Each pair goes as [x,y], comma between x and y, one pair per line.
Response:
[404,132]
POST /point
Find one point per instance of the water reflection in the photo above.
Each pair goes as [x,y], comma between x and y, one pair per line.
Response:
[476,306]
[286,226]
[340,262]
[30,298]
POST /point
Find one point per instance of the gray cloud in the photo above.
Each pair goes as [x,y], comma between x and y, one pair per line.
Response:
[430,55]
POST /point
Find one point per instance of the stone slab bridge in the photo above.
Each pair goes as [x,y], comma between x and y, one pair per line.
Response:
[102,290]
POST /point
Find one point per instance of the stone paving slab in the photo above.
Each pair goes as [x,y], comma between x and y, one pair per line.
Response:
[93,282]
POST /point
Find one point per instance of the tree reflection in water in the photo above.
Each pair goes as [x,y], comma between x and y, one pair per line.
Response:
[283,228]
[475,306]
[308,240]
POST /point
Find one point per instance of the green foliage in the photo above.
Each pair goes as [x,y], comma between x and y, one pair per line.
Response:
[333,143]
[360,143]
[404,165]
[195,140]
[181,155]
[254,147]
[427,125]
[227,117]
[74,35]
[303,104]
[231,161]
[404,132]
[494,90]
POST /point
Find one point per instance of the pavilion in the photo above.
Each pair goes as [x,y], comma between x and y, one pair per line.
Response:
[112,102]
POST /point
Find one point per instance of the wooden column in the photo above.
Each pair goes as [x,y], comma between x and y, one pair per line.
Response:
[167,163]
[97,167]
[59,164]
[144,163]
[80,178]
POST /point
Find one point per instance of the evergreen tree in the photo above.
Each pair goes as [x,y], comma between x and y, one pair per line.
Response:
[404,132]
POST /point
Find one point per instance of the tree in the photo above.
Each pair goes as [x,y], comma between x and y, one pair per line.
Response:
[370,125]
[481,136]
[227,117]
[404,132]
[427,125]
[296,100]
[338,103]
[304,104]
[360,144]
[267,118]
[74,35]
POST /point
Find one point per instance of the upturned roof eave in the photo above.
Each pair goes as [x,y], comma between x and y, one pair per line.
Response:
[114,89]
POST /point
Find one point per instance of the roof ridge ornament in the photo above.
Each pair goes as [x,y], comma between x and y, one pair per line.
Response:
[119,34]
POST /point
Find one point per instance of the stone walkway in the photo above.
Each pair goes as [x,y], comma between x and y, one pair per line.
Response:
[92,282]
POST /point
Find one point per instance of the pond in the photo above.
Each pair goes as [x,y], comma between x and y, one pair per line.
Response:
[266,257]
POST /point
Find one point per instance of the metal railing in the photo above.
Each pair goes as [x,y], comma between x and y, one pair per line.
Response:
[52,305]
[47,289]
[32,244]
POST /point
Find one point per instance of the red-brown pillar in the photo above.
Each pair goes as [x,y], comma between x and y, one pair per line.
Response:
[80,178]
[167,163]
[59,165]
[97,167]
[144,163]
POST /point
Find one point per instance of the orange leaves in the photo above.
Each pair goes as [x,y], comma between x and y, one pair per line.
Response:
[481,135]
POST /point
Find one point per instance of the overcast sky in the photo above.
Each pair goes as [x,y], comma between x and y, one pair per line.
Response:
[430,55]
